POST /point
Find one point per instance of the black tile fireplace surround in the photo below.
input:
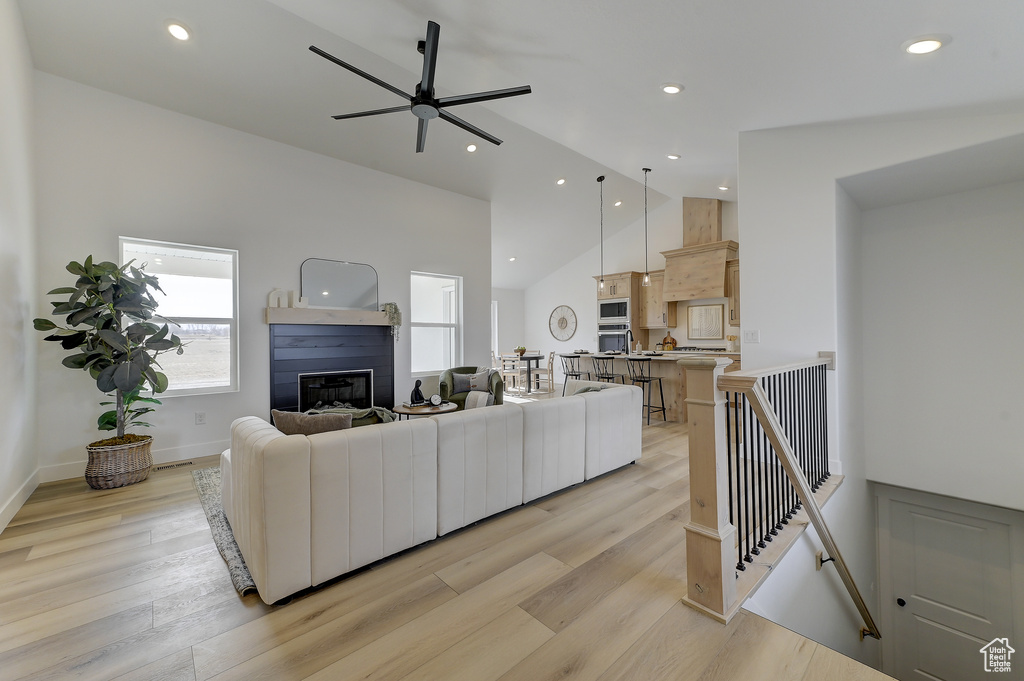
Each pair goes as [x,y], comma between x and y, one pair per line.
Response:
[312,348]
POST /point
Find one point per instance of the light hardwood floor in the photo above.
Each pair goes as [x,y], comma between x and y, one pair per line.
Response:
[127,584]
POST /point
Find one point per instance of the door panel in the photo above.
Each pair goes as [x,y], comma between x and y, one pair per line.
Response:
[954,572]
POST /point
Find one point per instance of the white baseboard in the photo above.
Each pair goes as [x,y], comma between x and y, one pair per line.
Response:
[76,469]
[17,500]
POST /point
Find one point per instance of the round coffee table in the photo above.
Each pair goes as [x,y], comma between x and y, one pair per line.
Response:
[423,410]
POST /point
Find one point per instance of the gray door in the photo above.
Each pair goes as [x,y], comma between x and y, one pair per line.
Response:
[951,588]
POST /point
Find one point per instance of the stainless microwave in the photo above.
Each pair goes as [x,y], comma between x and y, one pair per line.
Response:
[613,311]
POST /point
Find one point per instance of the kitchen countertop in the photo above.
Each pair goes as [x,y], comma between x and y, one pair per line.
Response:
[670,355]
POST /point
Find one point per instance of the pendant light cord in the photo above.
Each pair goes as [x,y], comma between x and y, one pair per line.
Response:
[600,181]
[647,266]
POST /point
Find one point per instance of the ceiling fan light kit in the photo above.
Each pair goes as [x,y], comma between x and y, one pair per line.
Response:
[423,104]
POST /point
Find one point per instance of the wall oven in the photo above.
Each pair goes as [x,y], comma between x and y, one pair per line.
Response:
[614,311]
[612,337]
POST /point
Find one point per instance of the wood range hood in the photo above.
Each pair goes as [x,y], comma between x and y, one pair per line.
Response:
[697,270]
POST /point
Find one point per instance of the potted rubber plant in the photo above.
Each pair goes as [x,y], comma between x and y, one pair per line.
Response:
[110,331]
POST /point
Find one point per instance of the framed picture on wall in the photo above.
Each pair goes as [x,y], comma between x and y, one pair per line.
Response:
[704,322]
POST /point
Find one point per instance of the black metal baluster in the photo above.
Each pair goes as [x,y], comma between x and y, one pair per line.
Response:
[776,484]
[824,420]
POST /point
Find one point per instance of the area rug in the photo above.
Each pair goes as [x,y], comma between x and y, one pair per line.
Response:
[207,481]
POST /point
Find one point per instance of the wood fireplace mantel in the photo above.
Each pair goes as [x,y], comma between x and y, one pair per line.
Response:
[319,315]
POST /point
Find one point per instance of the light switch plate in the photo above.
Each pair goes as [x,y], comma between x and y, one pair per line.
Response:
[753,336]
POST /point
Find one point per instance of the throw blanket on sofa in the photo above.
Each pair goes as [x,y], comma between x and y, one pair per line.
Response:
[381,413]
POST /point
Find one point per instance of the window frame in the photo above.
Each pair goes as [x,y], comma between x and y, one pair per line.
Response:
[231,322]
[453,303]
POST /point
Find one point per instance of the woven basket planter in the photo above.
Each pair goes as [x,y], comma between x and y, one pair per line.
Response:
[119,465]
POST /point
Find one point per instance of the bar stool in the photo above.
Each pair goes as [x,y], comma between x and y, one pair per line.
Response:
[604,370]
[571,369]
[640,372]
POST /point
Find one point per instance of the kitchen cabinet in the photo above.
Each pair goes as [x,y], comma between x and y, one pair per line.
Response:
[619,285]
[732,290]
[655,311]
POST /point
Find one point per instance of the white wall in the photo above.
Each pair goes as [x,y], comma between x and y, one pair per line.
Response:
[109,166]
[511,318]
[574,285]
[17,303]
[942,297]
[800,287]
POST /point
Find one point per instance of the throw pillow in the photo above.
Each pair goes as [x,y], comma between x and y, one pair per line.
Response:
[588,389]
[480,380]
[295,423]
[460,383]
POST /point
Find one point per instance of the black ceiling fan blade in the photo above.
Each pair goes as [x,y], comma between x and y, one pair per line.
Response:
[484,96]
[375,112]
[430,58]
[468,127]
[359,72]
[421,135]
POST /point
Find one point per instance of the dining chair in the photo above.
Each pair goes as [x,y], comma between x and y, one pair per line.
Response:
[511,373]
[547,373]
[640,373]
[571,369]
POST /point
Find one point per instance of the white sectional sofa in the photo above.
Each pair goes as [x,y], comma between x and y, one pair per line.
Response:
[306,509]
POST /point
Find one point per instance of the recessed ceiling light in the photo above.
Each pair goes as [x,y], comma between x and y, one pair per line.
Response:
[673,157]
[926,44]
[560,182]
[723,188]
[671,88]
[471,148]
[618,203]
[325,293]
[512,259]
[178,31]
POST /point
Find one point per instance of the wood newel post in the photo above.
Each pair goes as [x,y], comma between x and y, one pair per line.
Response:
[710,537]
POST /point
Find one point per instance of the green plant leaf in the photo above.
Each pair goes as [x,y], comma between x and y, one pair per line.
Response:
[127,376]
[75,361]
[161,345]
[105,379]
[75,268]
[161,381]
[107,420]
[113,339]
[72,341]
[43,324]
[62,291]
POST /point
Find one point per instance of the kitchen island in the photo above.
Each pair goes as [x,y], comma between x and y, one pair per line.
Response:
[665,366]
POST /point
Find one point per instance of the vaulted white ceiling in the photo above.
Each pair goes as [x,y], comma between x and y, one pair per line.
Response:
[595,67]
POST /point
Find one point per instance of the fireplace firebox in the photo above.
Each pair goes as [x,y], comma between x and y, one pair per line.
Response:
[341,388]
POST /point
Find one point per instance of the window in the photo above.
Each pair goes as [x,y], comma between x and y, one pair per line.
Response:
[200,302]
[435,322]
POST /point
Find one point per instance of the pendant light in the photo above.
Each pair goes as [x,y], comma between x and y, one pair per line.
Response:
[647,270]
[600,182]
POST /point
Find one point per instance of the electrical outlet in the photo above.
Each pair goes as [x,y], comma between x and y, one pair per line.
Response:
[200,418]
[753,336]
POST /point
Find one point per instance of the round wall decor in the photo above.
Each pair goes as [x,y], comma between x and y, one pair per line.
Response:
[562,323]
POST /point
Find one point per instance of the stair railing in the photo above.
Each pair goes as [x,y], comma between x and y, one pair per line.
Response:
[745,471]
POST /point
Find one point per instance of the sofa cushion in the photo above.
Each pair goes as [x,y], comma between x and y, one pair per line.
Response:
[373,494]
[554,441]
[613,428]
[479,464]
[297,423]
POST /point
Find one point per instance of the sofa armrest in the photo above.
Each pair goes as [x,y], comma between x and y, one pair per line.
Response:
[497,387]
[444,386]
[270,501]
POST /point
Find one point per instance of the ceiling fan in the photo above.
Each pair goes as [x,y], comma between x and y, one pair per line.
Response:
[423,104]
